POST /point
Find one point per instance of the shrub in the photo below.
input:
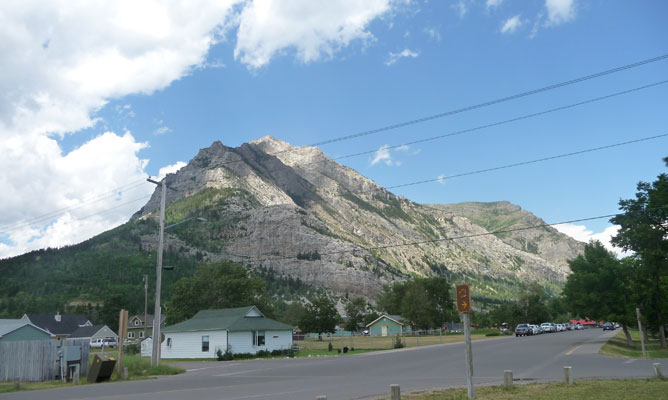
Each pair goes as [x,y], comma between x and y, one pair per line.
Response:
[398,343]
[132,349]
[330,347]
[493,334]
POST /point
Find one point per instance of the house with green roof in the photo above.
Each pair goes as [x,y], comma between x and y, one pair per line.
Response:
[238,330]
[389,325]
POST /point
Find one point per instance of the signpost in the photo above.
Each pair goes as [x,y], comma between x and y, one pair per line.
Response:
[464,308]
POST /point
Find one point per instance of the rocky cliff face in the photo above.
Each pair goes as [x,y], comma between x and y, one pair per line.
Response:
[294,210]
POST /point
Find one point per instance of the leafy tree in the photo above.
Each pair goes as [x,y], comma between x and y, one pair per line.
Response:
[599,287]
[219,285]
[507,312]
[293,313]
[644,230]
[533,304]
[426,302]
[356,309]
[320,316]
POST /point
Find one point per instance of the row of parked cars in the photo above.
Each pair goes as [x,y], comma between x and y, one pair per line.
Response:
[545,327]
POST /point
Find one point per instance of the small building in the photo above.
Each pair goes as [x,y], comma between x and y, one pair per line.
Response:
[389,325]
[238,330]
[138,324]
[61,325]
[94,332]
[18,329]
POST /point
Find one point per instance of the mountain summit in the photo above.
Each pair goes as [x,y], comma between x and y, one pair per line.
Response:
[296,212]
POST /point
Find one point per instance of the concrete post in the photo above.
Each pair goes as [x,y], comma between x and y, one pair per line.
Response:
[76,373]
[125,373]
[657,370]
[507,379]
[395,392]
[568,376]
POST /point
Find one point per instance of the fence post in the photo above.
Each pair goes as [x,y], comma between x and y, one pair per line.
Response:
[657,370]
[440,335]
[568,376]
[395,392]
[77,372]
[17,384]
[507,379]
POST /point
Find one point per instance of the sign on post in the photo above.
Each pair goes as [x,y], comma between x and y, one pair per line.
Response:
[464,307]
[463,299]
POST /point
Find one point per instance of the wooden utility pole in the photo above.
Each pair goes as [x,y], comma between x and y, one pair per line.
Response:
[464,308]
[145,303]
[122,333]
[642,337]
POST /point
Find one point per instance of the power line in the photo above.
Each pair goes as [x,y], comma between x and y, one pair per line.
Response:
[492,102]
[529,162]
[415,243]
[91,200]
[523,117]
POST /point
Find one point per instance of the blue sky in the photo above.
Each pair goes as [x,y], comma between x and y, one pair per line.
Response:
[99,97]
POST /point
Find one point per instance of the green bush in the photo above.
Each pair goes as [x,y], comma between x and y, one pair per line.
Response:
[330,347]
[132,349]
[497,333]
[398,343]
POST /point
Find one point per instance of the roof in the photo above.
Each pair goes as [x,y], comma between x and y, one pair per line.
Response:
[86,331]
[396,318]
[230,319]
[149,319]
[68,322]
[10,325]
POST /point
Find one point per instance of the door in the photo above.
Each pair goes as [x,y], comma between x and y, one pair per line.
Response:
[383,330]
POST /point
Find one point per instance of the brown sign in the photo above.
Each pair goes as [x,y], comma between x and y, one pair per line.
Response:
[463,299]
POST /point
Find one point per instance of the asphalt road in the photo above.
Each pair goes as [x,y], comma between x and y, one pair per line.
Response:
[367,375]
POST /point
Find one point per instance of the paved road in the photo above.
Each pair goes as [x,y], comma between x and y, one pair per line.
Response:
[370,374]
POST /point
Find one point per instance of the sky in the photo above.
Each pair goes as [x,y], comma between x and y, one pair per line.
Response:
[97,95]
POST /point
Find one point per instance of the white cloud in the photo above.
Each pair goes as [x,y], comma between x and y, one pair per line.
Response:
[583,234]
[461,8]
[384,155]
[441,179]
[314,29]
[559,11]
[433,33]
[62,61]
[170,169]
[493,3]
[394,57]
[511,24]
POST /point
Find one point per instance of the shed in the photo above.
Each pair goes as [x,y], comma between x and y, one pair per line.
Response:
[18,329]
[389,325]
[238,330]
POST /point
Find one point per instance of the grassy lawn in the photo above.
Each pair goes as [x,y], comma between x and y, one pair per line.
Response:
[368,343]
[581,389]
[138,368]
[616,347]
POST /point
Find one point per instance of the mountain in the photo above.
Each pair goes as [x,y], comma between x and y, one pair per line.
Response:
[302,222]
[276,205]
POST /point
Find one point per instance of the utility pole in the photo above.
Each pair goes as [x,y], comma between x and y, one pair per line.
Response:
[145,303]
[155,355]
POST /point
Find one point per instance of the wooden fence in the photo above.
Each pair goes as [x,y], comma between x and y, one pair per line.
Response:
[37,360]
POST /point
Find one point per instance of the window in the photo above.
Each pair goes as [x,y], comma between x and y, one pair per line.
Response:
[136,322]
[131,335]
[258,338]
[169,342]
[141,334]
[205,343]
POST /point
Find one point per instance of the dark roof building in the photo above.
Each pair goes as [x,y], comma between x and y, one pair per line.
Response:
[229,319]
[61,325]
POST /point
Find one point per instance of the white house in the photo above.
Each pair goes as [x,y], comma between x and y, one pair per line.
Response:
[239,330]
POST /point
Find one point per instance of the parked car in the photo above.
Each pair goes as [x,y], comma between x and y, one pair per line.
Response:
[548,327]
[579,327]
[535,329]
[608,326]
[523,330]
[568,326]
[103,342]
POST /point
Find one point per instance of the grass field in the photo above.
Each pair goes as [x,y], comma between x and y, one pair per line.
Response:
[378,342]
[616,347]
[138,368]
[628,389]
